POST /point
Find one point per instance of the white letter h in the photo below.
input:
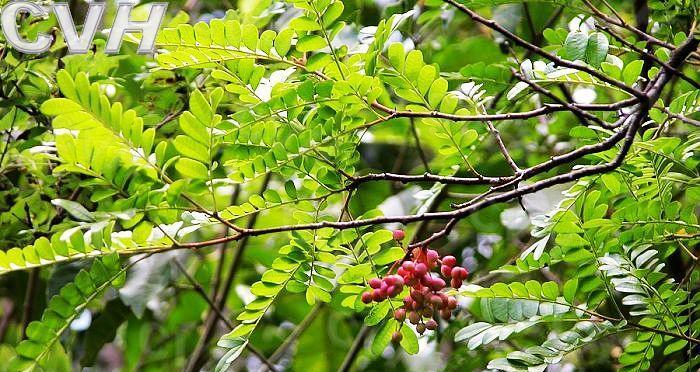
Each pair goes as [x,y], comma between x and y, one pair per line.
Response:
[148,29]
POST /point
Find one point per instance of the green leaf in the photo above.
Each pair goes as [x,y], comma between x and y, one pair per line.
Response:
[437,92]
[304,23]
[396,56]
[414,63]
[575,45]
[597,49]
[199,106]
[377,313]
[631,72]
[410,340]
[283,42]
[571,240]
[332,13]
[310,43]
[192,169]
[235,347]
[74,209]
[550,290]
[192,149]
[383,337]
[58,106]
[388,256]
[611,182]
[570,288]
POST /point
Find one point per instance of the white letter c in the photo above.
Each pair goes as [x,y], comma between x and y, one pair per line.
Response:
[11,29]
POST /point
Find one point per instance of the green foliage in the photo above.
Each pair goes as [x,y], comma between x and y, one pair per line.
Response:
[63,308]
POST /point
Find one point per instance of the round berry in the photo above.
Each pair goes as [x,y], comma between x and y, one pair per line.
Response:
[420,328]
[446,314]
[451,303]
[417,296]
[463,273]
[367,298]
[450,261]
[432,256]
[456,283]
[414,317]
[378,296]
[408,266]
[446,271]
[421,269]
[431,325]
[400,314]
[399,235]
[436,284]
[396,337]
[375,283]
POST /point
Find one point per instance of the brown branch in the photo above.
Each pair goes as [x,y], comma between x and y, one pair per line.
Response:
[211,320]
[213,306]
[629,127]
[296,333]
[28,307]
[537,50]
[544,110]
[421,153]
[502,147]
[583,115]
[680,117]
[427,177]
[621,23]
[650,56]
[355,349]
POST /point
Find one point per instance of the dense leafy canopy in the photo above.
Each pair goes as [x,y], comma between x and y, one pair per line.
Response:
[225,203]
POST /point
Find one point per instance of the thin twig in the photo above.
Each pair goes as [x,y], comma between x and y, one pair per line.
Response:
[200,290]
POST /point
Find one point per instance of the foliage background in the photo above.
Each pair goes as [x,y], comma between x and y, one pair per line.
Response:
[604,266]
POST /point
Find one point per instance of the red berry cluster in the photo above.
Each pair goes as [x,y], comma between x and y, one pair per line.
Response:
[426,299]
[383,289]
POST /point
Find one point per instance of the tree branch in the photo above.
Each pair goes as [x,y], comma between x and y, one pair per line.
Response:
[537,50]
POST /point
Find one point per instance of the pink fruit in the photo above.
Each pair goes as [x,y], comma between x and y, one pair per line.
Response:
[432,256]
[450,261]
[421,269]
[451,303]
[400,314]
[446,271]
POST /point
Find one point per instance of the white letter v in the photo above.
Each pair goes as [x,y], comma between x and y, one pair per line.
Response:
[79,44]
